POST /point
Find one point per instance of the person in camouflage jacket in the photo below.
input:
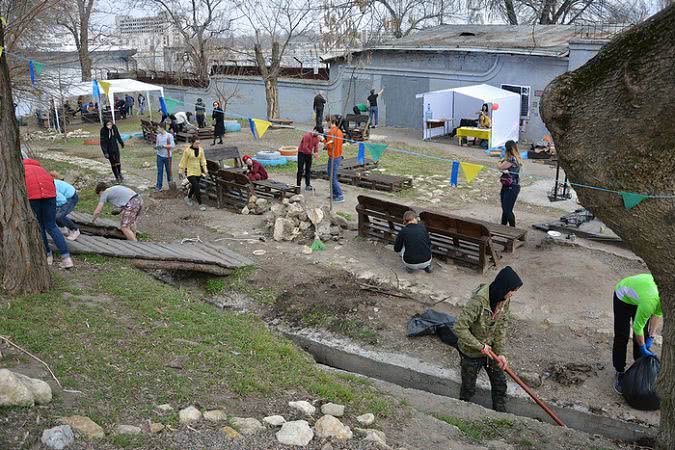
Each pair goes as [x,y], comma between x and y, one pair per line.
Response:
[482,326]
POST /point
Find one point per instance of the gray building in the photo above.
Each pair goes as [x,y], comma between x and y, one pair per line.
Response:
[524,59]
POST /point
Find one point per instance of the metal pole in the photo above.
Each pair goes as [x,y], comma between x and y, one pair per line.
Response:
[557,179]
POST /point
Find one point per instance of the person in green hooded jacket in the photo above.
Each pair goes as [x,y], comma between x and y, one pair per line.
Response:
[482,327]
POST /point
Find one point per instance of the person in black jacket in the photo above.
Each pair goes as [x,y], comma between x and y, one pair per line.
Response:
[319,103]
[218,117]
[110,138]
[413,244]
[200,111]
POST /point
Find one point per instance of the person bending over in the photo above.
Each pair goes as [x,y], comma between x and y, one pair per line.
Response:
[129,201]
[413,244]
[481,328]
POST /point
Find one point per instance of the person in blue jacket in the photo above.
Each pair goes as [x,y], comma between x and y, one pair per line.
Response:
[66,200]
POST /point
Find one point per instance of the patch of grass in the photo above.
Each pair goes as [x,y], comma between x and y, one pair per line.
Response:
[116,351]
[215,286]
[345,214]
[239,281]
[127,441]
[351,328]
[478,430]
[64,168]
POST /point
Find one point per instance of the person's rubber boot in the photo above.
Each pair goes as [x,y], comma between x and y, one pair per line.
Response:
[67,263]
[618,383]
[50,259]
[499,404]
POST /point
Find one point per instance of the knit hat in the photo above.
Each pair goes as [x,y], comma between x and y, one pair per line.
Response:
[245,158]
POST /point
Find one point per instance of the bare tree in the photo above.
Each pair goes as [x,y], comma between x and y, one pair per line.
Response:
[276,24]
[75,16]
[23,266]
[198,22]
[401,17]
[629,85]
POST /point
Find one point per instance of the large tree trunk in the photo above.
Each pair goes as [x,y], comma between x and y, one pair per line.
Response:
[272,97]
[84,12]
[23,266]
[510,12]
[612,122]
[270,76]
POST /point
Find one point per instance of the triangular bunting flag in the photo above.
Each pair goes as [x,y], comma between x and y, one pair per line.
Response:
[631,199]
[171,104]
[258,127]
[454,173]
[361,157]
[31,71]
[38,68]
[105,85]
[470,170]
[375,150]
[2,19]
[95,92]
[162,106]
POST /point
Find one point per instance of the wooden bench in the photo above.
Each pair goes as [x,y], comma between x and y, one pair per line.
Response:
[278,123]
[358,132]
[463,241]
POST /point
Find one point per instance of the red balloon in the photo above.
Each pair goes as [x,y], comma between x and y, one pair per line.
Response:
[495,106]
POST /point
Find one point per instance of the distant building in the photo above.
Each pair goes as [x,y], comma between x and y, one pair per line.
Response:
[149,36]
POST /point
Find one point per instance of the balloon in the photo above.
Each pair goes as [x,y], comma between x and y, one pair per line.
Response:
[495,106]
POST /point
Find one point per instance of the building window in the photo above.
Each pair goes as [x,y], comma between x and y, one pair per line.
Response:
[524,92]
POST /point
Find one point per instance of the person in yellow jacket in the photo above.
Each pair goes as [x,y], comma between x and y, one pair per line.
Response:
[193,166]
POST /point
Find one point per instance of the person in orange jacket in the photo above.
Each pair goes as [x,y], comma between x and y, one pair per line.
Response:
[333,144]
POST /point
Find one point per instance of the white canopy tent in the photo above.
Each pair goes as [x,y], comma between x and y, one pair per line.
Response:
[465,102]
[116,87]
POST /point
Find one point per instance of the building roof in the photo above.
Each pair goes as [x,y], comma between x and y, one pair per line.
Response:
[540,40]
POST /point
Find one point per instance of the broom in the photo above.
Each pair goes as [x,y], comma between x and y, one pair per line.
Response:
[317,245]
[316,216]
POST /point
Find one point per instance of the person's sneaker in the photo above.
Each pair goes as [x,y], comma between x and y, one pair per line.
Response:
[73,235]
[409,270]
[429,269]
[50,260]
[339,200]
[188,200]
[202,208]
[67,263]
[618,380]
[309,188]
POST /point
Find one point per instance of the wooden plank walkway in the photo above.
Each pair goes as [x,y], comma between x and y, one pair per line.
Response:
[197,257]
[103,226]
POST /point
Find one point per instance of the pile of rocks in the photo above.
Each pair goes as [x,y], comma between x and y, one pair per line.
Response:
[292,220]
[256,205]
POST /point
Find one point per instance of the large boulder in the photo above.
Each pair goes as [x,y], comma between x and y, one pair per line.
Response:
[331,427]
[42,392]
[13,392]
[304,407]
[247,425]
[297,433]
[216,415]
[333,409]
[189,415]
[295,210]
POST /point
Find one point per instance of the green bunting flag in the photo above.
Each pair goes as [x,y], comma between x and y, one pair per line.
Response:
[375,150]
[631,199]
[171,104]
[38,67]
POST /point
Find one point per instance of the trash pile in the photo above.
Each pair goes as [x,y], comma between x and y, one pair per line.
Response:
[40,135]
[291,220]
[79,133]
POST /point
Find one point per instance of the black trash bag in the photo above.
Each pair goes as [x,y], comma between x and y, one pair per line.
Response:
[447,336]
[428,322]
[639,384]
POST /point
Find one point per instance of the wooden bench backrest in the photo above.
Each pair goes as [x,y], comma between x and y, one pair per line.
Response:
[439,223]
[392,209]
[222,153]
[234,177]
[212,166]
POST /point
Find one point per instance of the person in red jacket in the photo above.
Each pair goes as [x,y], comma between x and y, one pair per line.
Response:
[254,170]
[42,197]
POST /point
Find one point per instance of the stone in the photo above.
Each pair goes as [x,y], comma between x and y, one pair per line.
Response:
[297,198]
[366,419]
[13,392]
[294,210]
[58,438]
[275,421]
[230,433]
[339,221]
[304,407]
[499,444]
[285,201]
[331,427]
[189,415]
[315,215]
[247,425]
[304,225]
[164,409]
[156,427]
[333,409]
[283,229]
[42,392]
[302,217]
[296,433]
[245,211]
[327,446]
[84,426]
[127,429]
[334,230]
[262,203]
[216,415]
[278,210]
[323,228]
[371,435]
[532,379]
[306,250]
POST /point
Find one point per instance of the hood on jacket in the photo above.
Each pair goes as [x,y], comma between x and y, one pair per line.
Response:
[31,162]
[506,281]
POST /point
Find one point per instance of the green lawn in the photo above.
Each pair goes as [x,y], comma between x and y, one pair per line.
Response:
[108,330]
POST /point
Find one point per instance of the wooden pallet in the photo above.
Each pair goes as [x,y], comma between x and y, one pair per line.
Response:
[275,188]
[149,129]
[204,134]
[221,153]
[102,227]
[381,182]
[195,257]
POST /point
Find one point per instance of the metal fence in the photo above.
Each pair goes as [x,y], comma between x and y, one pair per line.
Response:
[599,31]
